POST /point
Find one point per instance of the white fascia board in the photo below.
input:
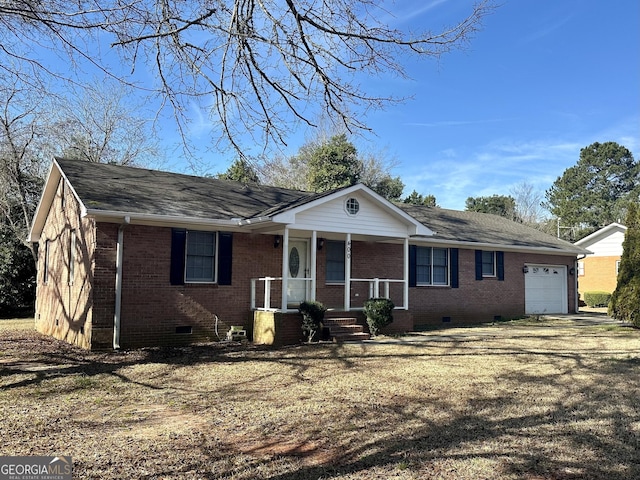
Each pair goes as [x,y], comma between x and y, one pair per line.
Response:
[417,228]
[46,200]
[501,247]
[602,233]
[162,220]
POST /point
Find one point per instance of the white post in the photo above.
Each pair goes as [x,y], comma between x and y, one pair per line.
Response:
[253,294]
[314,256]
[285,267]
[405,300]
[347,273]
[267,293]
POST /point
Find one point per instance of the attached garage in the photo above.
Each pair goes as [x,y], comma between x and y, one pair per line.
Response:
[546,289]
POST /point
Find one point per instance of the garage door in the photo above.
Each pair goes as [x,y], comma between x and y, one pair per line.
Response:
[545,289]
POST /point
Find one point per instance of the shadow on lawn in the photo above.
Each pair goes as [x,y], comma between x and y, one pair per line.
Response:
[404,441]
[530,445]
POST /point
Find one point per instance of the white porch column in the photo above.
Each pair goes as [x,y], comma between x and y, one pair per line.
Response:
[285,267]
[405,299]
[314,255]
[347,273]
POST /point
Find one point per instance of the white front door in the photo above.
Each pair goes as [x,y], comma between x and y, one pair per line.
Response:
[297,284]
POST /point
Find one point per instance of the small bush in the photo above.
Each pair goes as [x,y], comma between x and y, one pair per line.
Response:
[597,299]
[379,313]
[312,316]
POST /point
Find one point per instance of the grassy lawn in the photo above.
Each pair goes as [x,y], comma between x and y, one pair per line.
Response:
[518,400]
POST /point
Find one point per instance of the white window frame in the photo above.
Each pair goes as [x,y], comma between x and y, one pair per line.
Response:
[352,206]
[215,258]
[431,265]
[581,269]
[495,269]
[617,267]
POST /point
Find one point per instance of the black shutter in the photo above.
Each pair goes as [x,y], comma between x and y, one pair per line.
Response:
[225,244]
[478,264]
[178,245]
[413,278]
[500,265]
[453,259]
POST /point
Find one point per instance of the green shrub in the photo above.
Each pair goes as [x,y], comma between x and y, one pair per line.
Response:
[379,312]
[626,304]
[312,316]
[597,299]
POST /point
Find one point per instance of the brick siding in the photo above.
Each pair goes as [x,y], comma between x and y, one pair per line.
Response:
[64,304]
[599,275]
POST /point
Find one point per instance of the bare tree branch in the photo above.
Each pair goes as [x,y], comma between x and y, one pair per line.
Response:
[260,68]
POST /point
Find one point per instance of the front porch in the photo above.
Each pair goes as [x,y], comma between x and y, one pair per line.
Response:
[340,271]
[285,328]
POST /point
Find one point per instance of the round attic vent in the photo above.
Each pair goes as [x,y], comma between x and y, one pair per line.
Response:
[352,206]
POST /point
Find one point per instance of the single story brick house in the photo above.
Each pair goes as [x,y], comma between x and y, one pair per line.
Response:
[599,271]
[129,257]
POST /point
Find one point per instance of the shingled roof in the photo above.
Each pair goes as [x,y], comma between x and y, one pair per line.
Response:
[111,189]
[114,188]
[482,228]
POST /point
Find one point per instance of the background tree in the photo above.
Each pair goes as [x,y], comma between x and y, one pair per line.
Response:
[30,129]
[258,67]
[595,191]
[329,162]
[17,274]
[334,164]
[502,205]
[101,125]
[528,202]
[376,174]
[415,198]
[625,301]
[240,171]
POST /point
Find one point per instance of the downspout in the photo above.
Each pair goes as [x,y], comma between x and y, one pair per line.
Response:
[119,255]
[575,283]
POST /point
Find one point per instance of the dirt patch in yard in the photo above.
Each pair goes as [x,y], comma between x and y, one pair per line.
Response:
[514,400]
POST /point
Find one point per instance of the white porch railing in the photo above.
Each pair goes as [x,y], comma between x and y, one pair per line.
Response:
[266,305]
[378,288]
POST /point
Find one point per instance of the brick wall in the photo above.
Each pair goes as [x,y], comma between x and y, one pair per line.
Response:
[64,302]
[474,301]
[599,274]
[152,308]
[482,300]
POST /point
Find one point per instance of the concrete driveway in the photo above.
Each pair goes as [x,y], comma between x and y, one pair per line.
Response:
[594,316]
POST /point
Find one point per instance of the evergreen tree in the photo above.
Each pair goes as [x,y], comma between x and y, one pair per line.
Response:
[418,199]
[593,193]
[333,165]
[504,206]
[625,301]
[240,171]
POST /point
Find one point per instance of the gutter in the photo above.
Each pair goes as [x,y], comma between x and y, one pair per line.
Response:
[495,246]
[149,217]
[116,315]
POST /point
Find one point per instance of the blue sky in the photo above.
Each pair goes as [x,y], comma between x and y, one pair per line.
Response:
[541,80]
